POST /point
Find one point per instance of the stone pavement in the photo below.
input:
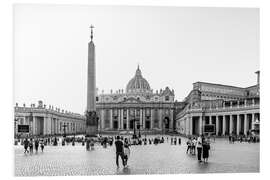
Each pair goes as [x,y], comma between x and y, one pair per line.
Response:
[144,159]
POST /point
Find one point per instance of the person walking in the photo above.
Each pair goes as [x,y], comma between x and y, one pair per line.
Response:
[31,146]
[189,145]
[36,145]
[179,141]
[92,144]
[205,149]
[126,151]
[199,148]
[193,146]
[119,151]
[26,144]
[42,145]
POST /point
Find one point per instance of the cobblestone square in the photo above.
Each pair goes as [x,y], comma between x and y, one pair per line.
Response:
[145,159]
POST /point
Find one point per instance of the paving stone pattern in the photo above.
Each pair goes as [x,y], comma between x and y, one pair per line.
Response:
[145,159]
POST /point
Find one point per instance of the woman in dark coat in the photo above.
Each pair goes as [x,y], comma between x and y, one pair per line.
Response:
[206,148]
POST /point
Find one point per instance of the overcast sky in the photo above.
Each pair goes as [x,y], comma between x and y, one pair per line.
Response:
[174,47]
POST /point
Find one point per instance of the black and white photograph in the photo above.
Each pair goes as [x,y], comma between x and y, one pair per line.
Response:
[135,90]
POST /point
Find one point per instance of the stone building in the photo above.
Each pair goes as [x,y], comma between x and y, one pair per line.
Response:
[233,110]
[137,107]
[43,120]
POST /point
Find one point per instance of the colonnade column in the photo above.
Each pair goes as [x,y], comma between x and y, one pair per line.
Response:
[238,124]
[217,125]
[245,124]
[231,124]
[252,121]
[224,125]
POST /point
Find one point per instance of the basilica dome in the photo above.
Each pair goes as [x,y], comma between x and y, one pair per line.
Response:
[138,84]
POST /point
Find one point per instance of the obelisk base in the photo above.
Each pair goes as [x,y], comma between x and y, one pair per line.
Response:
[91,124]
[91,131]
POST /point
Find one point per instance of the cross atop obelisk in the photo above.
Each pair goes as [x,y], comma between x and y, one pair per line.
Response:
[91,27]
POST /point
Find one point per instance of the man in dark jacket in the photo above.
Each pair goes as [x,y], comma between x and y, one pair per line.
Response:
[119,146]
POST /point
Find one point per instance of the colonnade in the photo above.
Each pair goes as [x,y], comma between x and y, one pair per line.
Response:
[225,124]
[43,125]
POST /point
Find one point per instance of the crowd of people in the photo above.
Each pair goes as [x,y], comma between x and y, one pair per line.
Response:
[31,144]
[243,138]
[199,146]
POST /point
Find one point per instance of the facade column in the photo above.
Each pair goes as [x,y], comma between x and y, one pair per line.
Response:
[102,121]
[151,118]
[231,124]
[217,125]
[122,119]
[238,124]
[44,125]
[51,125]
[224,125]
[245,124]
[160,119]
[119,119]
[34,126]
[171,119]
[141,118]
[211,119]
[111,119]
[127,119]
[58,126]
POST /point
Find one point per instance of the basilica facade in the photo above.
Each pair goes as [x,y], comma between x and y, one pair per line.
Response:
[137,107]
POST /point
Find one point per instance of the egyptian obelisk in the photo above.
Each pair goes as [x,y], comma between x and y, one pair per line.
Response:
[91,117]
